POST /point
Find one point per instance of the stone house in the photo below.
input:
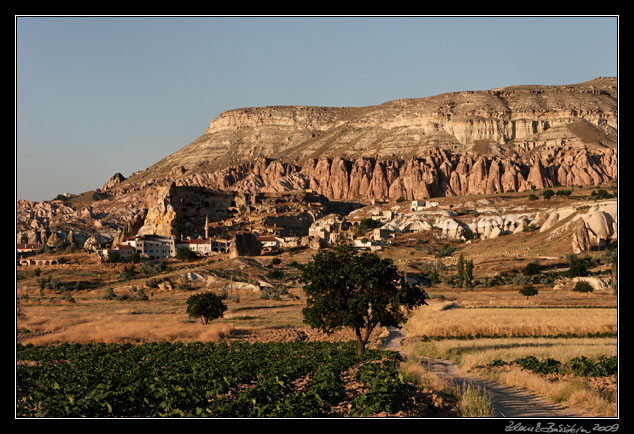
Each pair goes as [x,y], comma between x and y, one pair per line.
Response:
[125,252]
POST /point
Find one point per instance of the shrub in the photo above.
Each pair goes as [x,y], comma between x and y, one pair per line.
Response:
[275,274]
[207,306]
[528,291]
[583,286]
[445,250]
[150,269]
[109,295]
[184,254]
[531,269]
[366,225]
[578,266]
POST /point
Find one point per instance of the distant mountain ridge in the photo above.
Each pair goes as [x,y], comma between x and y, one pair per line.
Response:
[508,121]
[470,142]
[507,139]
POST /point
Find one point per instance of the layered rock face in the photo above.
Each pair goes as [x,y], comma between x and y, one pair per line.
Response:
[511,121]
[435,174]
[475,142]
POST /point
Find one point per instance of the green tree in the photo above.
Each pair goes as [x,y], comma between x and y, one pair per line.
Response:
[531,269]
[114,257]
[207,306]
[366,225]
[611,256]
[358,291]
[583,286]
[184,254]
[135,258]
[528,291]
[577,266]
[468,274]
[460,270]
[548,194]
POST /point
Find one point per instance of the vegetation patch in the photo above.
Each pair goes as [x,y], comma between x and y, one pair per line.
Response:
[299,379]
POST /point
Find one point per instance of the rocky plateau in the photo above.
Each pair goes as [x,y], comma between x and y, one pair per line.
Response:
[282,168]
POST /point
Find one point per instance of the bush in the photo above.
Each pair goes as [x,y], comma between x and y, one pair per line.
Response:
[275,274]
[445,250]
[578,266]
[531,269]
[109,295]
[367,225]
[528,291]
[583,286]
[150,269]
[207,306]
[184,254]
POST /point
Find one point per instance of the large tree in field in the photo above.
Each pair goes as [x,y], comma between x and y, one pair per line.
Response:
[356,290]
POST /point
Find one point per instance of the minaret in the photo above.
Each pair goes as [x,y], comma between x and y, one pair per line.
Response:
[207,227]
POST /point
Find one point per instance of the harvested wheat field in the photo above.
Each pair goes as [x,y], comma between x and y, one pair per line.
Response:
[449,319]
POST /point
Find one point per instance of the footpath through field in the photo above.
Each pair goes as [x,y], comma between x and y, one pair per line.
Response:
[507,402]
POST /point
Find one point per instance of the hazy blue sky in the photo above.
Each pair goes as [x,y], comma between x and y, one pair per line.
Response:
[100,95]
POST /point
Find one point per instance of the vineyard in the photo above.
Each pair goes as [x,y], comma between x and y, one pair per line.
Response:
[300,379]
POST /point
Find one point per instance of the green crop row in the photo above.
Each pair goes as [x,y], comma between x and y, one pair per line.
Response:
[581,366]
[189,380]
[387,390]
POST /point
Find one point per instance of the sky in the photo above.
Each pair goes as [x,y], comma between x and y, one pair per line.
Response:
[97,95]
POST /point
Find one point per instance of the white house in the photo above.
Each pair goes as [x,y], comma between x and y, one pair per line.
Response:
[417,205]
[124,251]
[198,246]
[153,246]
[269,242]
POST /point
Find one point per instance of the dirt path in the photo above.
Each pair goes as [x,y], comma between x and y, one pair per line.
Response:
[506,401]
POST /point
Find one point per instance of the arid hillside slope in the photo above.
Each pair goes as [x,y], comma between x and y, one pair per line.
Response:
[502,140]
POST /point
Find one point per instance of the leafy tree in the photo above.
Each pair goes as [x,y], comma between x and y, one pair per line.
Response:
[114,257]
[184,254]
[611,256]
[460,269]
[531,269]
[207,306]
[548,194]
[366,225]
[563,192]
[528,291]
[128,273]
[468,274]
[583,286]
[578,266]
[359,291]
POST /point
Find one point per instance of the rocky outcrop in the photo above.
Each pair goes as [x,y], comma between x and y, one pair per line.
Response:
[115,180]
[460,143]
[506,121]
[436,173]
[244,244]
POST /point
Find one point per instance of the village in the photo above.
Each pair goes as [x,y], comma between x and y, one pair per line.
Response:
[371,228]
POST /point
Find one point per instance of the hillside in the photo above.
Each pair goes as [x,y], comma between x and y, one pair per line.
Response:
[504,140]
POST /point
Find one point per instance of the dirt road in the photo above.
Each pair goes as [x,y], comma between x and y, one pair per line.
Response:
[507,402]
